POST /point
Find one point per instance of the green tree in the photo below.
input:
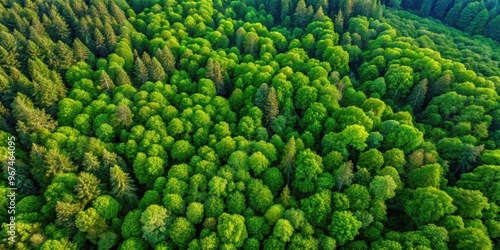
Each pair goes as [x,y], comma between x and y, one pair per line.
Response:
[428,205]
[155,221]
[231,229]
[308,166]
[283,230]
[181,232]
[344,226]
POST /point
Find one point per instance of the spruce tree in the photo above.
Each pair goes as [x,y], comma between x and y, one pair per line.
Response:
[140,70]
[215,73]
[122,185]
[417,95]
[271,106]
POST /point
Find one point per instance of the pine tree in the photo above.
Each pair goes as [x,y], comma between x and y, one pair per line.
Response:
[478,24]
[493,29]
[300,13]
[105,81]
[319,15]
[347,7]
[166,59]
[261,96]
[440,85]
[122,77]
[453,15]
[417,95]
[65,213]
[285,9]
[271,106]
[30,119]
[140,70]
[90,162]
[344,175]
[339,22]
[288,160]
[122,185]
[100,43]
[285,196]
[441,8]
[215,73]
[468,14]
[87,187]
[156,71]
[425,8]
[80,51]
[110,36]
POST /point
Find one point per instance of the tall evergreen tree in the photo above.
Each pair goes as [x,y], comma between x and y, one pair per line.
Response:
[271,106]
[441,7]
[288,160]
[478,24]
[122,185]
[417,95]
[300,13]
[216,74]
[166,58]
[140,71]
[156,71]
[87,187]
[454,14]
[493,29]
[105,81]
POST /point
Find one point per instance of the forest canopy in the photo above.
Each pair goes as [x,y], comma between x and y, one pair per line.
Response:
[281,124]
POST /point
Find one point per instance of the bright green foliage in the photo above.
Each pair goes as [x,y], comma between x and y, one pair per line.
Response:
[426,176]
[428,205]
[131,226]
[155,221]
[382,187]
[359,197]
[181,232]
[308,167]
[194,212]
[106,206]
[344,226]
[283,230]
[231,229]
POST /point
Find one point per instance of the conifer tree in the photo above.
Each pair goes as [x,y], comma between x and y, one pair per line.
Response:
[87,187]
[478,24]
[453,15]
[122,77]
[319,15]
[141,72]
[166,59]
[100,43]
[216,74]
[288,160]
[285,9]
[417,95]
[122,185]
[339,22]
[300,13]
[65,213]
[344,175]
[261,96]
[271,106]
[156,71]
[105,81]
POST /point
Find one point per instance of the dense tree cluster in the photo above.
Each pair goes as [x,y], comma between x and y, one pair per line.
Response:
[473,17]
[249,125]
